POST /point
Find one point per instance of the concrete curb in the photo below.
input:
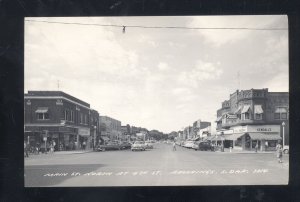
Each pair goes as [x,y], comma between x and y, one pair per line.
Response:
[72,152]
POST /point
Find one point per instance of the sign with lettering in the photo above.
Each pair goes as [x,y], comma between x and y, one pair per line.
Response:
[260,128]
[84,131]
[240,129]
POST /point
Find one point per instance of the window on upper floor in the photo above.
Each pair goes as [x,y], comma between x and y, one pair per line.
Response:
[258,112]
[42,113]
[246,112]
[280,113]
[81,118]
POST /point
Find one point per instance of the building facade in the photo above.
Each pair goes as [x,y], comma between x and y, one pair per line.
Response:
[110,128]
[59,118]
[254,117]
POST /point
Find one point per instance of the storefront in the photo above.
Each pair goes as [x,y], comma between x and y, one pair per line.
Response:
[64,137]
[247,137]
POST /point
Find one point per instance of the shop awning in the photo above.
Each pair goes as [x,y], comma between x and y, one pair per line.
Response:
[217,138]
[234,136]
[208,138]
[219,119]
[245,109]
[231,116]
[262,136]
[258,109]
[238,111]
[42,110]
[104,138]
[281,110]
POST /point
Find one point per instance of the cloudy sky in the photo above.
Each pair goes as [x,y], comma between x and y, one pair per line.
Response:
[160,78]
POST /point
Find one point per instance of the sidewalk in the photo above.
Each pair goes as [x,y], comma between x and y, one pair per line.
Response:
[73,152]
[235,151]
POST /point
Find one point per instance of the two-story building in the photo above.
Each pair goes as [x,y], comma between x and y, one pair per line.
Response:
[57,117]
[110,128]
[252,117]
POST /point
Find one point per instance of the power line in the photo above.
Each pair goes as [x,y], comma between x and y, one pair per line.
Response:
[157,27]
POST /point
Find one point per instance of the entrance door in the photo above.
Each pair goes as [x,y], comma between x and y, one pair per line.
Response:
[247,142]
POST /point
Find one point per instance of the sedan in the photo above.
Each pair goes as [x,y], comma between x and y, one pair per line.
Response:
[205,146]
[109,146]
[125,145]
[138,145]
[149,145]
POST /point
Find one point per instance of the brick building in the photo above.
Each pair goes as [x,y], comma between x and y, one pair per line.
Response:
[252,117]
[110,128]
[54,116]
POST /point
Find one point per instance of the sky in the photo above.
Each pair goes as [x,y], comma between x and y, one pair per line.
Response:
[161,78]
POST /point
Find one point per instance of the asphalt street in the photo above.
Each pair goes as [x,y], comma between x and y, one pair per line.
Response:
[155,167]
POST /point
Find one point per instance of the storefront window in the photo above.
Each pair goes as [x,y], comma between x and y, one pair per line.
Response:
[238,142]
[272,143]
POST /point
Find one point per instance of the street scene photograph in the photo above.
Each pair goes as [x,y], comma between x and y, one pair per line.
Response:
[156,101]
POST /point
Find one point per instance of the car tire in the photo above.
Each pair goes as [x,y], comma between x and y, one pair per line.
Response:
[286,151]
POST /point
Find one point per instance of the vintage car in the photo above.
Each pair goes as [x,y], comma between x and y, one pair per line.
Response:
[204,146]
[188,143]
[149,145]
[109,146]
[138,145]
[125,145]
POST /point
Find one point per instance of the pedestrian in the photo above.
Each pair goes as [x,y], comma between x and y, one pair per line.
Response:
[279,152]
[174,146]
[25,150]
[54,144]
[84,145]
[266,145]
[51,148]
[256,147]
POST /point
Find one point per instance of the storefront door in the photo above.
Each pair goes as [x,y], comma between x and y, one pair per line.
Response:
[247,142]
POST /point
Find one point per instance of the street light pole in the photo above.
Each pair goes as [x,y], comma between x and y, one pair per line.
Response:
[283,139]
[95,137]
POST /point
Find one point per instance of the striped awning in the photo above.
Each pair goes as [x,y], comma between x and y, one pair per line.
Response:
[234,136]
[263,136]
[219,119]
[238,111]
[217,138]
[281,110]
[231,116]
[104,138]
[258,109]
[42,110]
[245,109]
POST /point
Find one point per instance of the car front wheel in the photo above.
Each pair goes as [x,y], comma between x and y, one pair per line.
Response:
[286,151]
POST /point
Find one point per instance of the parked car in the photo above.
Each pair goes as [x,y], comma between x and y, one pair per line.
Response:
[149,145]
[205,146]
[109,146]
[286,149]
[125,145]
[189,144]
[196,145]
[138,145]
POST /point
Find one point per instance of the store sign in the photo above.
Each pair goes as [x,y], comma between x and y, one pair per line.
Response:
[240,129]
[262,128]
[84,131]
